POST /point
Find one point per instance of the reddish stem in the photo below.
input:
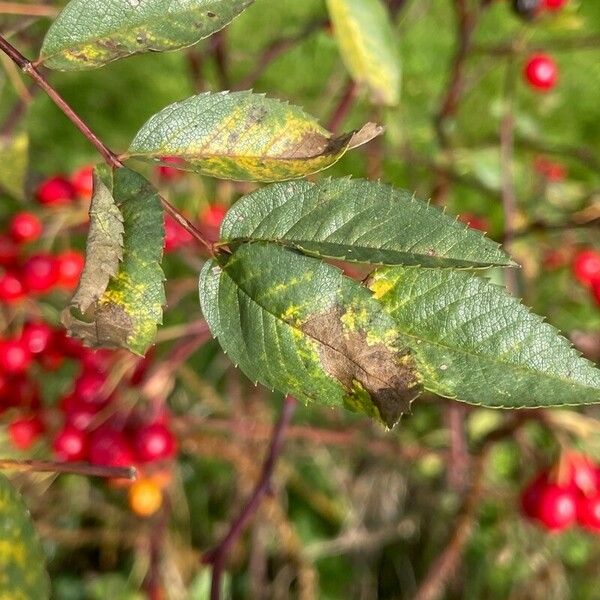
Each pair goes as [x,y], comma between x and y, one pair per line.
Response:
[218,555]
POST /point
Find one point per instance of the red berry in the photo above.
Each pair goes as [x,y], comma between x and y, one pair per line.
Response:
[80,417]
[213,215]
[83,182]
[70,265]
[175,235]
[532,494]
[550,170]
[8,251]
[109,447]
[37,337]
[40,273]
[582,472]
[557,507]
[596,291]
[475,221]
[22,391]
[55,190]
[541,72]
[553,4]
[25,431]
[25,227]
[170,173]
[154,442]
[588,512]
[88,389]
[15,357]
[70,444]
[586,267]
[11,288]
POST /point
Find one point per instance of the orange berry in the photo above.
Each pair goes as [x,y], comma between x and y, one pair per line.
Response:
[145,497]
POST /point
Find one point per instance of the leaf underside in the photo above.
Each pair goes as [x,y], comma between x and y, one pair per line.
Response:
[126,313]
[473,342]
[23,573]
[367,43]
[358,221]
[243,136]
[90,33]
[104,242]
[298,325]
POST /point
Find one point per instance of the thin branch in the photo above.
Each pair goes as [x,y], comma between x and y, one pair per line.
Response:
[343,107]
[28,10]
[29,69]
[218,555]
[46,466]
[109,156]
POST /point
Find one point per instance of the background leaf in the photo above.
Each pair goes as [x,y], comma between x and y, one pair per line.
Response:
[14,160]
[297,324]
[22,562]
[128,311]
[367,42]
[357,220]
[244,136]
[91,33]
[474,342]
[104,247]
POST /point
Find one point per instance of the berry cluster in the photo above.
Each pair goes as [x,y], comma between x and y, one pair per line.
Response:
[586,269]
[530,9]
[567,494]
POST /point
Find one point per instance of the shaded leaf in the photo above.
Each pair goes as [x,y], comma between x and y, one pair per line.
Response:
[360,221]
[367,43]
[244,136]
[104,247]
[14,159]
[474,342]
[23,573]
[299,325]
[128,311]
[90,33]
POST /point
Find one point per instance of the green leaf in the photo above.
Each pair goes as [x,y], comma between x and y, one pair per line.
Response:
[104,242]
[474,342]
[244,136]
[368,46]
[359,221]
[23,573]
[127,312]
[14,159]
[298,325]
[90,33]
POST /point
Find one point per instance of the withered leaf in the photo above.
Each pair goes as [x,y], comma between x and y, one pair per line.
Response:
[127,311]
[104,247]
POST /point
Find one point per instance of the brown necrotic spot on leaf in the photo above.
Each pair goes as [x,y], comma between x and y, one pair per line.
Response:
[387,374]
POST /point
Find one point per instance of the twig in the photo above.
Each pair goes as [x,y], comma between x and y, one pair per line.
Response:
[444,566]
[218,555]
[46,466]
[28,10]
[109,156]
[343,107]
[276,49]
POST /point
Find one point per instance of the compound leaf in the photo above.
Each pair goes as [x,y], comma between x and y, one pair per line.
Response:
[22,564]
[473,342]
[127,312]
[90,33]
[359,221]
[367,43]
[299,325]
[243,136]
